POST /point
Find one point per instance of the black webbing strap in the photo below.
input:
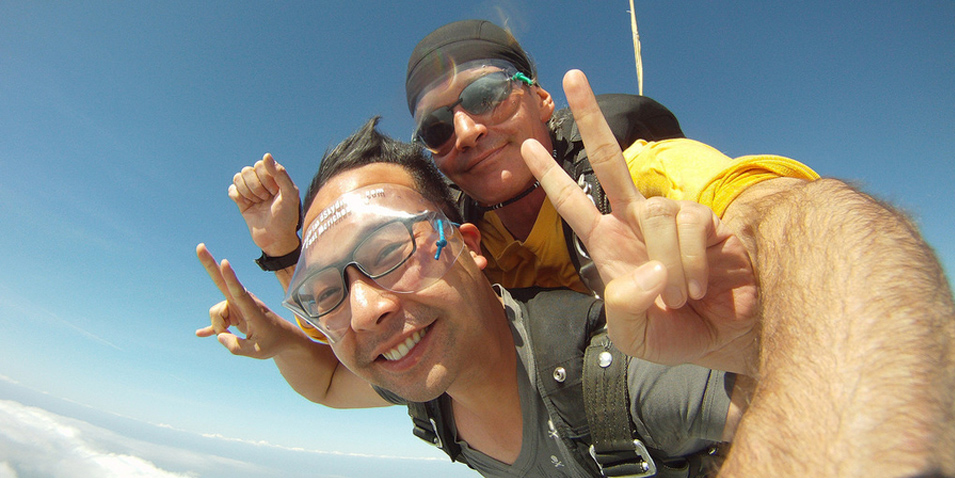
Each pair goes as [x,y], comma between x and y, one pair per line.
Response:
[423,428]
[426,417]
[586,269]
[607,404]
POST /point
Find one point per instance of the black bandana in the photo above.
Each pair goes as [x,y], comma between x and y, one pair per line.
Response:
[457,43]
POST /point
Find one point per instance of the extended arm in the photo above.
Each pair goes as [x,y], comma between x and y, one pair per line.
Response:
[854,337]
[309,367]
[857,362]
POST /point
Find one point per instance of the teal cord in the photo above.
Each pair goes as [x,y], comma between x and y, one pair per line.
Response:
[442,242]
[523,78]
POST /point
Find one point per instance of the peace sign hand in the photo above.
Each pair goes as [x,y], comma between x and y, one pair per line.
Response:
[678,251]
[266,334]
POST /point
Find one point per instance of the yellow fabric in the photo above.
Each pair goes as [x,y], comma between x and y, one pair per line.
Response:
[542,260]
[311,331]
[679,169]
[683,169]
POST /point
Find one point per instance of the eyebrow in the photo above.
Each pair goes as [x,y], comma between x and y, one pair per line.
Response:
[354,238]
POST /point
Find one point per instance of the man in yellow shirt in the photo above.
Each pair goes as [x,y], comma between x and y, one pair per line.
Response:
[476,145]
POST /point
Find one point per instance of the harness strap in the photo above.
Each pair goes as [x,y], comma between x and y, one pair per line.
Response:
[423,426]
[614,443]
[607,404]
[426,417]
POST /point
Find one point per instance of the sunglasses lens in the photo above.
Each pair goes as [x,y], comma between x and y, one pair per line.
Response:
[485,93]
[478,98]
[437,128]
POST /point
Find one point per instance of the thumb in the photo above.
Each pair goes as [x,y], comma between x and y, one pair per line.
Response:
[205,332]
[281,176]
[231,342]
[627,300]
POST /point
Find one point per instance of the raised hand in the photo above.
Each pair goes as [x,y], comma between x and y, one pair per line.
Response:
[269,202]
[678,251]
[265,333]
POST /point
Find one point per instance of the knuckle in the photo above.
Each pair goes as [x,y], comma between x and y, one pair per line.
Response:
[693,216]
[658,208]
[217,309]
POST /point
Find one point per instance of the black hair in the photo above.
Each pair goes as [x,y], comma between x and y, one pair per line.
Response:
[369,146]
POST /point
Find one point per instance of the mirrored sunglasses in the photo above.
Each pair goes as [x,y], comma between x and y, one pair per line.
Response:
[480,97]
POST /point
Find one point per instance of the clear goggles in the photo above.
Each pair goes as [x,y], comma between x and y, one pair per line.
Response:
[480,97]
[389,233]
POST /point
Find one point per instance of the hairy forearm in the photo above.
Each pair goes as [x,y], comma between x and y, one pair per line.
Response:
[857,353]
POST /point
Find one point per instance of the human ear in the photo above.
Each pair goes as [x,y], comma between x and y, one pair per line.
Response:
[472,238]
[545,103]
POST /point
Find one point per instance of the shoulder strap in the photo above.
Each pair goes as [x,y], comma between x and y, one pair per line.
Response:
[583,380]
[607,403]
[583,385]
[558,323]
[429,419]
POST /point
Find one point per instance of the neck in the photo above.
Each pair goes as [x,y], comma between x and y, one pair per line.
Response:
[489,417]
[494,364]
[521,195]
[519,216]
[487,405]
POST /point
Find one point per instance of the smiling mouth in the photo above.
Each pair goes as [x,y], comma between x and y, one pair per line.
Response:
[484,157]
[405,347]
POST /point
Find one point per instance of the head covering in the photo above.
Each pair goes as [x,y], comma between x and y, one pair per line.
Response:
[457,43]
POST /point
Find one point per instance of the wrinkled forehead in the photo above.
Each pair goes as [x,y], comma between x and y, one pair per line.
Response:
[446,88]
[343,220]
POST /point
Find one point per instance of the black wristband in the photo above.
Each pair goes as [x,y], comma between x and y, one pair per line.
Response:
[271,264]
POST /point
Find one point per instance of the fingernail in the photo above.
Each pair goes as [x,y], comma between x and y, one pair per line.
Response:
[674,295]
[696,289]
[649,276]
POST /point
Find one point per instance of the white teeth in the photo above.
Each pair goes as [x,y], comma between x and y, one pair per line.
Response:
[403,348]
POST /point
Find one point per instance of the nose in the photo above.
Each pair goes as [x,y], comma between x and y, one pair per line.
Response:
[467,131]
[369,303]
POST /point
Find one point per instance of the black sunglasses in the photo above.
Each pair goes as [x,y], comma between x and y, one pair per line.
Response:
[479,97]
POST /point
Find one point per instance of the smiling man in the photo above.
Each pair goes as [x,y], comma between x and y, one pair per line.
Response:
[475,97]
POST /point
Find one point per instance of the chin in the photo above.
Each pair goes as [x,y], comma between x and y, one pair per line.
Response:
[432,389]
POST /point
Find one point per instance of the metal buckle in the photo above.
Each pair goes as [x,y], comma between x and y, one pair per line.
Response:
[437,436]
[640,459]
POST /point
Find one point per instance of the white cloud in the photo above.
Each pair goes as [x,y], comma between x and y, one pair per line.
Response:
[37,443]
[261,443]
[7,471]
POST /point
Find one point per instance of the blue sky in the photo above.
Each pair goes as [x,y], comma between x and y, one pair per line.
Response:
[122,123]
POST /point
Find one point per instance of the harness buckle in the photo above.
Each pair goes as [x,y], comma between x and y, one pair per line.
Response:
[427,433]
[626,463]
